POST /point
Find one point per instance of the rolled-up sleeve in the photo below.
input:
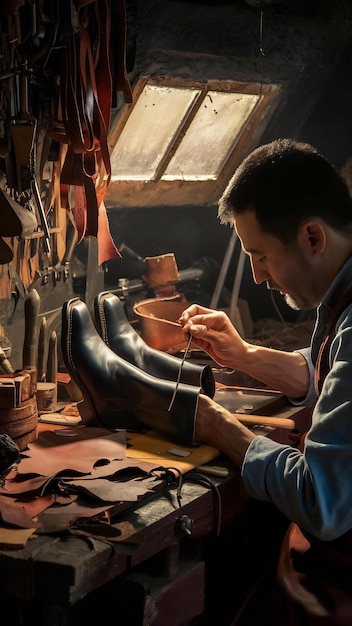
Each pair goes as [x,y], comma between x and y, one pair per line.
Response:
[311,395]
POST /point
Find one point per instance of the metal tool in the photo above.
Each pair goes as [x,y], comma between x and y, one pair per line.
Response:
[180,372]
[23,130]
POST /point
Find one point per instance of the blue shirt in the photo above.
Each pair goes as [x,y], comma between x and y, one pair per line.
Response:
[314,488]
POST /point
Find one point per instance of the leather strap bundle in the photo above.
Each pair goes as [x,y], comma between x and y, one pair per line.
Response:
[85,97]
[60,72]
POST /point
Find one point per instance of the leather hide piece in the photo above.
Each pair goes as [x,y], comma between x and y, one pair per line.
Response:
[53,453]
[73,474]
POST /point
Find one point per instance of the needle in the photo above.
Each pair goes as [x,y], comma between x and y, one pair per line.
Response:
[179,372]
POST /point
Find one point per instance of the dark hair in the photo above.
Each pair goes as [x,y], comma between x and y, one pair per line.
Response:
[285,182]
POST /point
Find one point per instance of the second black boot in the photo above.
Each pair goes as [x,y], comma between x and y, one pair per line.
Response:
[122,338]
[116,393]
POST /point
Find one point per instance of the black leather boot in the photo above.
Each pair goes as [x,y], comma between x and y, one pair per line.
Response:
[116,393]
[122,338]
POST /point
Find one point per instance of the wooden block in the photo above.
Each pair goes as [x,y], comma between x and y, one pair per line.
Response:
[22,383]
[7,395]
[26,409]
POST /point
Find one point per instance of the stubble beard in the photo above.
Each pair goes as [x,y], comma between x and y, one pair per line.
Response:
[291,302]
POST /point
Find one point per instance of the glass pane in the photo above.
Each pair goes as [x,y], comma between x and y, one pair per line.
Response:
[150,131]
[210,138]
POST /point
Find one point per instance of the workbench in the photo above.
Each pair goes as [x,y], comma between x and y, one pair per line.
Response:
[174,572]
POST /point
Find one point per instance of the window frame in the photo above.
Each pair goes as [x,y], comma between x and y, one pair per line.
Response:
[161,192]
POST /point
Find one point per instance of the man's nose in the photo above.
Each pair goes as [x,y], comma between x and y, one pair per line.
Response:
[260,275]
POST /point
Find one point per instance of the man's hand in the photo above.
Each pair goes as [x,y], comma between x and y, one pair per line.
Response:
[213,332]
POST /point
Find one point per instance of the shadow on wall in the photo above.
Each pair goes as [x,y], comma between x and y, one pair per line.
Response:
[192,234]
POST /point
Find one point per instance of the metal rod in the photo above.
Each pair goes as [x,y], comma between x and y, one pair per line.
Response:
[179,372]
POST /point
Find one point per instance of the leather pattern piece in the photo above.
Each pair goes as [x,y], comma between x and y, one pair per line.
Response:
[61,479]
[114,491]
[116,393]
[14,487]
[124,340]
[52,453]
[59,519]
[15,514]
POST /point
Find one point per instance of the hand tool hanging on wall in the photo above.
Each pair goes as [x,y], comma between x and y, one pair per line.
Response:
[35,74]
[52,365]
[47,391]
[30,344]
[42,216]
[23,128]
[6,253]
[41,365]
[16,221]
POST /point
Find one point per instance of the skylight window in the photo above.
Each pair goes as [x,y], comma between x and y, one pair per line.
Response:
[178,142]
[209,140]
[180,133]
[151,131]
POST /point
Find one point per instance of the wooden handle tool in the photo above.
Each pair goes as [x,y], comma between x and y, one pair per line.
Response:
[52,365]
[30,344]
[42,355]
[23,130]
[261,420]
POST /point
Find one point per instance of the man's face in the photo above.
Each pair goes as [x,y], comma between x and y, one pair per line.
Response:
[284,267]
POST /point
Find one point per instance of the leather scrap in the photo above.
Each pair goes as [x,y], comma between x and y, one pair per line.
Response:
[15,537]
[14,514]
[79,483]
[52,453]
[58,519]
[111,491]
[13,487]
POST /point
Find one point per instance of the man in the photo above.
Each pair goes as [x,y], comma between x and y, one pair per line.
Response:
[293,215]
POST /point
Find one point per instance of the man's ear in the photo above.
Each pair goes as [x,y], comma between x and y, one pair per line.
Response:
[312,237]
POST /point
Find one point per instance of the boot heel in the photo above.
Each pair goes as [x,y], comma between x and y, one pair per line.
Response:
[86,413]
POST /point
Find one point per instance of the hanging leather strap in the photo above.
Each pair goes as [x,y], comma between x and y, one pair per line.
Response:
[85,96]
